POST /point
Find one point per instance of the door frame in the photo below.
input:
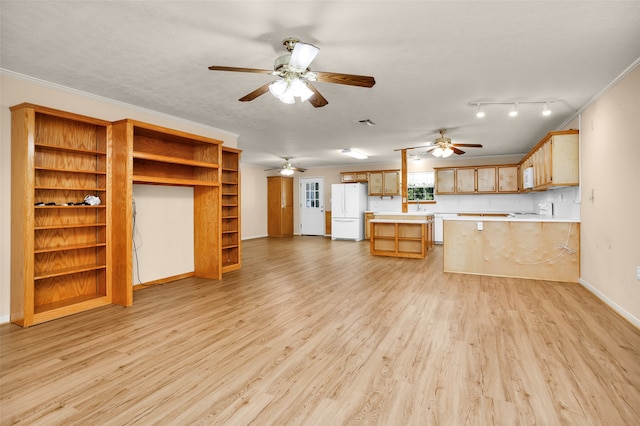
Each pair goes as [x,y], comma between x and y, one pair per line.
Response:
[302,198]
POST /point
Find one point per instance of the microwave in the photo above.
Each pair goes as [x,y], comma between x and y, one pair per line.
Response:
[527,178]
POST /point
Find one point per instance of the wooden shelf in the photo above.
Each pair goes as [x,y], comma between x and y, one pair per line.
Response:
[68,247]
[172,181]
[58,157]
[69,149]
[230,227]
[68,271]
[173,160]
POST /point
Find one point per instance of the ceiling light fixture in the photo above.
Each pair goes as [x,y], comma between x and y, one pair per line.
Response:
[354,154]
[447,152]
[546,111]
[286,172]
[514,111]
[288,90]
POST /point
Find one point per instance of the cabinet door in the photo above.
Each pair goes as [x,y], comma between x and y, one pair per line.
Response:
[445,181]
[362,177]
[348,177]
[391,183]
[465,180]
[376,183]
[508,179]
[486,179]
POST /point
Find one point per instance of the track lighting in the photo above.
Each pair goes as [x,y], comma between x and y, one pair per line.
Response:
[546,110]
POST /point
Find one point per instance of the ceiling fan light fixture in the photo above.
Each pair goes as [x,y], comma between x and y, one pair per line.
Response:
[286,172]
[355,154]
[446,152]
[300,89]
[437,152]
[302,56]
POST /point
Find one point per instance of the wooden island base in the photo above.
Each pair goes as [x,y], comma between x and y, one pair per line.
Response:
[401,238]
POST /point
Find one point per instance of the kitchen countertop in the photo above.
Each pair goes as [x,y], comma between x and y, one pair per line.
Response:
[514,218]
[414,213]
[418,221]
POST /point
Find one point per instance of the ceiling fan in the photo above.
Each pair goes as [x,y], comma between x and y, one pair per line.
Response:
[295,77]
[287,168]
[442,146]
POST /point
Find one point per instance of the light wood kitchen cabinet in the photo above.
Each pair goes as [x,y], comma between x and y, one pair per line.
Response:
[486,179]
[354,177]
[555,161]
[465,181]
[384,183]
[279,206]
[477,180]
[445,181]
[60,248]
[507,178]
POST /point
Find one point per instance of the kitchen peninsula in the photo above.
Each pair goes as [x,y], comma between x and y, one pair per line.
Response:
[521,246]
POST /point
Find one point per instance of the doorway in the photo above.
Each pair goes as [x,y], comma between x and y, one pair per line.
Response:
[312,219]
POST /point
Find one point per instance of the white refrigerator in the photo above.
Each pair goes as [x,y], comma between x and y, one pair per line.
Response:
[348,203]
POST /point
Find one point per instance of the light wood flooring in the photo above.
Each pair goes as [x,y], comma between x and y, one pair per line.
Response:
[318,332]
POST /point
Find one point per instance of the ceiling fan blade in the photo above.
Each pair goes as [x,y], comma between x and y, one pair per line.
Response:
[468,145]
[237,69]
[415,147]
[302,56]
[348,79]
[297,169]
[317,100]
[457,151]
[259,91]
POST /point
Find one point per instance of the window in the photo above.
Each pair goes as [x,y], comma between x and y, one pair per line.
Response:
[420,186]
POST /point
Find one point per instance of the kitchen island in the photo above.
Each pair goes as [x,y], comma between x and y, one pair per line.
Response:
[521,246]
[401,235]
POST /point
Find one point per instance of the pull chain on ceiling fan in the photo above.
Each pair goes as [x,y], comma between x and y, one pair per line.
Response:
[295,77]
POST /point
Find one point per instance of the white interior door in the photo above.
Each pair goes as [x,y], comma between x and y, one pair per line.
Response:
[312,220]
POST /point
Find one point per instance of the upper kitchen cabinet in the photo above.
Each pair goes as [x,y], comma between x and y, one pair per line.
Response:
[354,177]
[507,178]
[554,161]
[384,183]
[445,181]
[477,180]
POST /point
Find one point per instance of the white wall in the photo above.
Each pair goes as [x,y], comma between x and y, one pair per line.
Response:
[610,193]
[159,257]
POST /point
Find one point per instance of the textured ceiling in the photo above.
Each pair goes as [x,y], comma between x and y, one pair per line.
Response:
[430,60]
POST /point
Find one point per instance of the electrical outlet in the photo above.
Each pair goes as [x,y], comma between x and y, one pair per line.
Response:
[638,273]
[479,226]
